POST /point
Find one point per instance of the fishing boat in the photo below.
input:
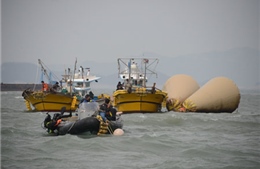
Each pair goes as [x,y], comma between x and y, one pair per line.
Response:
[73,87]
[135,96]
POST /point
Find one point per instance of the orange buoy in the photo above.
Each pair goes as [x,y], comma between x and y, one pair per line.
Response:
[118,132]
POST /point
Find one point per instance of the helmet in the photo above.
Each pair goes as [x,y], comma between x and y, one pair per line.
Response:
[107,100]
[56,116]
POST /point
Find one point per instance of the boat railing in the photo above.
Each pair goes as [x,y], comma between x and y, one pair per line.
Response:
[142,89]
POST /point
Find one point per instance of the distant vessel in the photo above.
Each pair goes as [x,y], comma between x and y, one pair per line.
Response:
[136,96]
[78,83]
[73,87]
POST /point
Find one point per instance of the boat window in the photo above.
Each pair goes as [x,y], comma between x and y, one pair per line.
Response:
[80,84]
[132,82]
[140,82]
[87,84]
[69,83]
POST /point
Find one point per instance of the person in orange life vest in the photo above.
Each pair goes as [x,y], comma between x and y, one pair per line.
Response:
[44,86]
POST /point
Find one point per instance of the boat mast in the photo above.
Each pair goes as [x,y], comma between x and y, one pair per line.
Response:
[82,72]
[73,77]
[144,81]
[129,70]
[83,78]
[44,70]
[145,61]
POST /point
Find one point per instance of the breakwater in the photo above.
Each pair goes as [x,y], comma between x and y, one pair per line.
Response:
[19,87]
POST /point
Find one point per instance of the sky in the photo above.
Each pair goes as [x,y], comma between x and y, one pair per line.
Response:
[58,31]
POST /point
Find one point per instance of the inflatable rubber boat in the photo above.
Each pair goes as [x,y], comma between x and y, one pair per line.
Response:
[87,120]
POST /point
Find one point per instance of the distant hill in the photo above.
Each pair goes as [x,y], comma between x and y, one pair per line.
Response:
[240,65]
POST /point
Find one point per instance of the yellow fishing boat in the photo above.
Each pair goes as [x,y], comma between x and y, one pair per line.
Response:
[134,96]
[74,86]
[47,101]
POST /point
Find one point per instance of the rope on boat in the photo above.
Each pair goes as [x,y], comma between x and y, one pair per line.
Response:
[110,129]
[36,78]
[175,103]
[189,106]
[71,127]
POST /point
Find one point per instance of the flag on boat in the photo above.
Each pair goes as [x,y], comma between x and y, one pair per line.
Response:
[146,60]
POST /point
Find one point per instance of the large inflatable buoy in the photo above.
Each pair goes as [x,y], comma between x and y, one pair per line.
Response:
[179,88]
[217,95]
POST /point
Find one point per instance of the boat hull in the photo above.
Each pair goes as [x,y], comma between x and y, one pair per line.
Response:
[46,101]
[139,101]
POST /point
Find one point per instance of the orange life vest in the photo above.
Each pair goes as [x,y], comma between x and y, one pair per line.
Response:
[58,122]
[45,87]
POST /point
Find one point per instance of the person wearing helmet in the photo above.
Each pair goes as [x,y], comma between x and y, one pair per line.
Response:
[52,124]
[86,99]
[107,111]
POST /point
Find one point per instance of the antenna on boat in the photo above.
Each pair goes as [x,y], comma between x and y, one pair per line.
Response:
[73,76]
[129,69]
[82,72]
[145,62]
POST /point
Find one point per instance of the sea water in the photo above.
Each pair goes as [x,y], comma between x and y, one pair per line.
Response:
[168,140]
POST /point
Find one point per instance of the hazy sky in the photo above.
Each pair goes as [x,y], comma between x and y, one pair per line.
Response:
[107,29]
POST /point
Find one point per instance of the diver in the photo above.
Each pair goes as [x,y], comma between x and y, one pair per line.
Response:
[52,124]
